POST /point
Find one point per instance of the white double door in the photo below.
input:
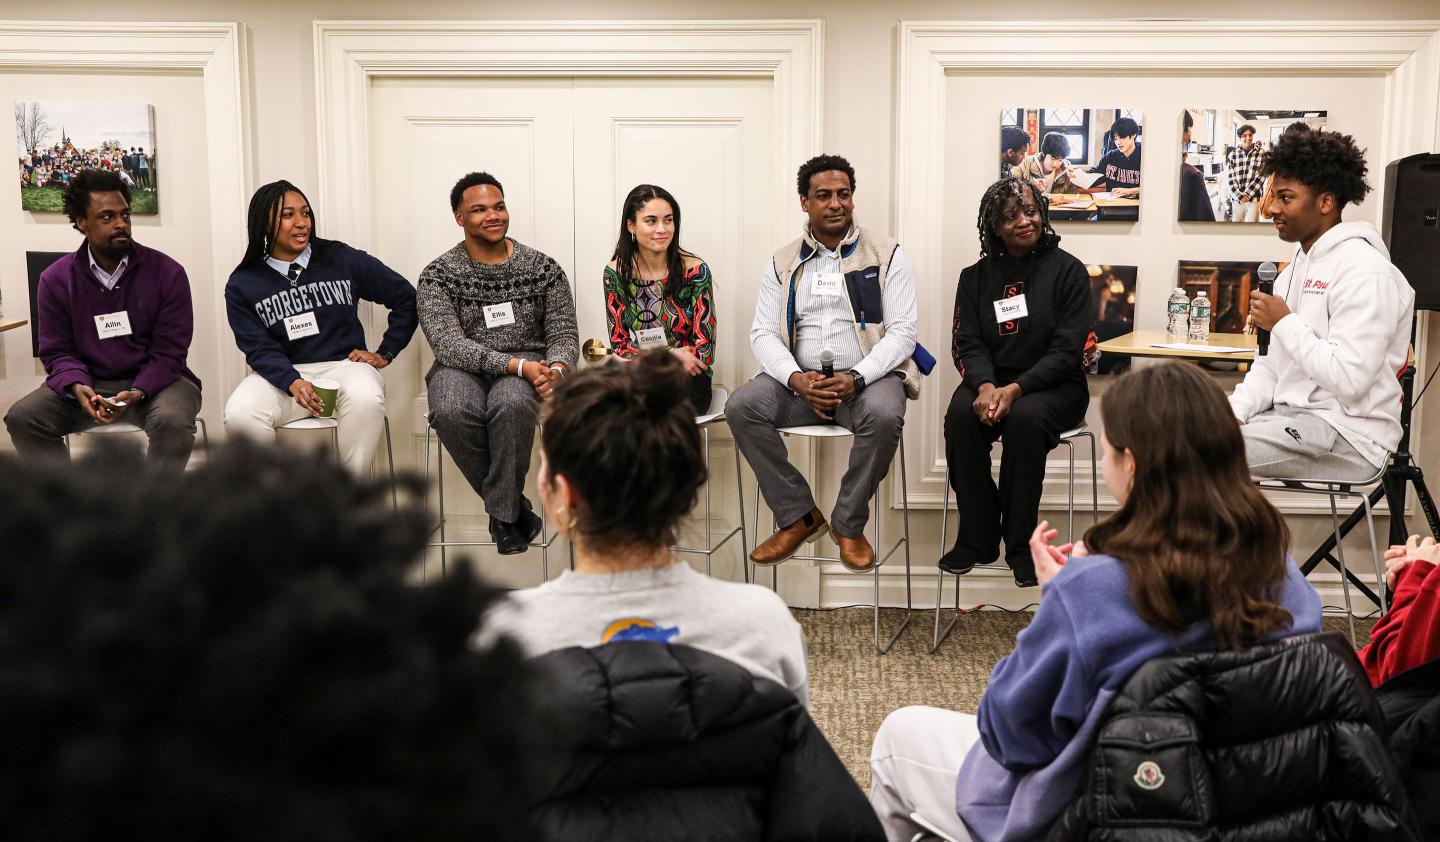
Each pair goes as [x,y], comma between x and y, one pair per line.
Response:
[567,152]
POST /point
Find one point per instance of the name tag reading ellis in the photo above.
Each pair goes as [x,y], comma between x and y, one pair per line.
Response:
[301,326]
[112,325]
[499,315]
[1010,309]
[826,283]
[651,337]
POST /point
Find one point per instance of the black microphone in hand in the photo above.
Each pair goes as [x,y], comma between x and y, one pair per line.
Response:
[1267,273]
[827,362]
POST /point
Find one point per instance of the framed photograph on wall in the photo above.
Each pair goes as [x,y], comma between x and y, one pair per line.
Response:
[1112,293]
[1222,152]
[1086,160]
[1227,283]
[57,140]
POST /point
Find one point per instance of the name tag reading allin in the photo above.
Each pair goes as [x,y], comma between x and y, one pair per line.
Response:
[499,315]
[826,283]
[301,326]
[1010,309]
[112,325]
[651,337]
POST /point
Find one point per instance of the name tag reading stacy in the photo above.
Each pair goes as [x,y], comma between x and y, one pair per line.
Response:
[651,337]
[499,315]
[112,325]
[826,283]
[1010,309]
[301,326]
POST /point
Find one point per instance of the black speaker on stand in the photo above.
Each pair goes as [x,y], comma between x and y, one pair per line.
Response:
[1410,224]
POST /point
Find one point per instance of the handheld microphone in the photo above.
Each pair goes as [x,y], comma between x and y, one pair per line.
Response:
[827,362]
[1267,273]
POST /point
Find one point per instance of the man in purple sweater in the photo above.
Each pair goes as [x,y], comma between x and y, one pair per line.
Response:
[115,323]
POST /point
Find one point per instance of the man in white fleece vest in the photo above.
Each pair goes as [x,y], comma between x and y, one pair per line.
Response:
[1325,402]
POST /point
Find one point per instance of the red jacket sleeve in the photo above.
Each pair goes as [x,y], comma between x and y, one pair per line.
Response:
[1409,633]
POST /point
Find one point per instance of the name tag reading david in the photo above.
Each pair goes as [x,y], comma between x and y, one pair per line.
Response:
[499,315]
[826,283]
[112,325]
[1010,309]
[651,337]
[301,326]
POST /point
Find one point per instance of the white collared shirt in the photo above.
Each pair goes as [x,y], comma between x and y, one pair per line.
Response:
[109,279]
[283,266]
[829,320]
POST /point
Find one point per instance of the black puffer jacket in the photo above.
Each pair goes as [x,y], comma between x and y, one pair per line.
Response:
[1280,741]
[1411,701]
[672,743]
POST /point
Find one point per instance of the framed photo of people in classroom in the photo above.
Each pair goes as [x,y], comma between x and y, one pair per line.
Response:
[56,140]
[1222,159]
[1112,294]
[1085,160]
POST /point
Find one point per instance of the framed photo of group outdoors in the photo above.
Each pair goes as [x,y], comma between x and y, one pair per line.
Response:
[57,140]
[1222,153]
[1085,160]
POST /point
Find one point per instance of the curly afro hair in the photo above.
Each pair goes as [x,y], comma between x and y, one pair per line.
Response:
[76,199]
[1326,162]
[822,163]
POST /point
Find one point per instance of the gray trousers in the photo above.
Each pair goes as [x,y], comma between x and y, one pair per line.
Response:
[875,416]
[39,422]
[1284,442]
[488,426]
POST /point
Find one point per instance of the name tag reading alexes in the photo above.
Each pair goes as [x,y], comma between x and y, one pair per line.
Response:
[301,326]
[1010,309]
[112,325]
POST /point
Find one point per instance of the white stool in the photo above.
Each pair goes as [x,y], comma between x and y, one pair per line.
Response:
[545,540]
[1067,439]
[115,427]
[1332,489]
[714,415]
[833,431]
[333,425]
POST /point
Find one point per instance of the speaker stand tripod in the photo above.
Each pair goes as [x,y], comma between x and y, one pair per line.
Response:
[1392,488]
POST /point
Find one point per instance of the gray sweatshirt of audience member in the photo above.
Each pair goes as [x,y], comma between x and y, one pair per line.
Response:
[455,289]
[747,624]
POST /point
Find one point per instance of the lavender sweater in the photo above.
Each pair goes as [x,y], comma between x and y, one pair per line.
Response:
[1041,710]
[154,291]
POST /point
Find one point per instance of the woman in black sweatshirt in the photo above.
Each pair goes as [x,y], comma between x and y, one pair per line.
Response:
[1022,315]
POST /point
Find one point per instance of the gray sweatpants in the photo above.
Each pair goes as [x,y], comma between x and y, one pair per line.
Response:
[488,426]
[1284,442]
[875,416]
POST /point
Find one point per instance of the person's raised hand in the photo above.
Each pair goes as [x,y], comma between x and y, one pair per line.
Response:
[1266,310]
[1047,559]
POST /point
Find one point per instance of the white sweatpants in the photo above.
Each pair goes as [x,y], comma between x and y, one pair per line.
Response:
[914,766]
[1246,212]
[256,408]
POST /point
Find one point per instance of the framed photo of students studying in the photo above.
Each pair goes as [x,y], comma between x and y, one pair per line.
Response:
[1085,160]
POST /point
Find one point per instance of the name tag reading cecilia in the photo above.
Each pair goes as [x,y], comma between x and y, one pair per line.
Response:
[499,315]
[1010,309]
[112,325]
[651,337]
[301,326]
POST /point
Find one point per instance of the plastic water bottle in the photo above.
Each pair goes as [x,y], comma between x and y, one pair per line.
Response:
[1200,318]
[1178,309]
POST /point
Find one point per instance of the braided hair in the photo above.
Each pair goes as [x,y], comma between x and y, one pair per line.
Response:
[992,205]
[263,221]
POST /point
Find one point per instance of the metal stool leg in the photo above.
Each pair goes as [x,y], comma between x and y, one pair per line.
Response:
[705,442]
[204,438]
[1375,554]
[1094,482]
[1069,491]
[940,635]
[390,455]
[1344,571]
[744,536]
[879,562]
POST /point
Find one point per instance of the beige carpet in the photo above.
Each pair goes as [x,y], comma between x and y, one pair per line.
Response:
[852,689]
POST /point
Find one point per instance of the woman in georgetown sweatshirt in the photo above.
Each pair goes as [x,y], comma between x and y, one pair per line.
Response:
[1193,560]
[292,304]
[1324,403]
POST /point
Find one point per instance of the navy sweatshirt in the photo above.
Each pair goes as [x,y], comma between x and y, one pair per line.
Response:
[259,299]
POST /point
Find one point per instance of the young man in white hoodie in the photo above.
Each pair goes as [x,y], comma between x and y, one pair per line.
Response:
[1325,402]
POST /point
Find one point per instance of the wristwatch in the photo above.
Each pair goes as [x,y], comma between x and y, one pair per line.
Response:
[388,356]
[859,380]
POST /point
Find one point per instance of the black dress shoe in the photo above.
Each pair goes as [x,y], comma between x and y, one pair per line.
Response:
[955,562]
[508,538]
[1025,578]
[529,524]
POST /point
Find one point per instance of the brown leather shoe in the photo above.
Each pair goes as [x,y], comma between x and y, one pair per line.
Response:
[787,540]
[855,553]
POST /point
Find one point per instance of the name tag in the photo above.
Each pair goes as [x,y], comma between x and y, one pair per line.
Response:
[826,283]
[301,326]
[1010,309]
[499,315]
[112,325]
[651,337]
